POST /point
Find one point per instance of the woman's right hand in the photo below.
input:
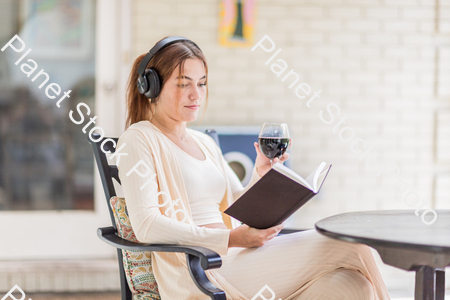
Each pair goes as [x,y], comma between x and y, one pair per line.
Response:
[245,236]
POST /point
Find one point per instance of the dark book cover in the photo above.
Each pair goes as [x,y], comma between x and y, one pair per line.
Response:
[271,200]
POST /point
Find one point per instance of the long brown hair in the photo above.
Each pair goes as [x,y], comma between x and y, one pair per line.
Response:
[139,107]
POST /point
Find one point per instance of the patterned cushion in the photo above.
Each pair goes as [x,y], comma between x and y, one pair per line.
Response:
[137,264]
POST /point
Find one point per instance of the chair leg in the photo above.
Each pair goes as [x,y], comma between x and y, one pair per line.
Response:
[124,288]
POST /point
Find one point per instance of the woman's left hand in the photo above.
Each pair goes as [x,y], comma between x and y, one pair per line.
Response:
[263,163]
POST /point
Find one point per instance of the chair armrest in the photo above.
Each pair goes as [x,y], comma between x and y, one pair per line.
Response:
[208,258]
[198,258]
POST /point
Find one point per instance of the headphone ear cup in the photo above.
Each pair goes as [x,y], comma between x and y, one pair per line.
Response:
[142,84]
[154,87]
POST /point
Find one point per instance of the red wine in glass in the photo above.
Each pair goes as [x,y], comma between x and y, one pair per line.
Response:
[273,140]
[273,147]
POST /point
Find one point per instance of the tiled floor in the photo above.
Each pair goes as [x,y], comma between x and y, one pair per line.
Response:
[400,295]
[75,296]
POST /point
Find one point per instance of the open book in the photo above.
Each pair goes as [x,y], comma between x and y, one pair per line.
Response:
[276,196]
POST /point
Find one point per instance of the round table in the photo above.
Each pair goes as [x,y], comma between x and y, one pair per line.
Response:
[403,240]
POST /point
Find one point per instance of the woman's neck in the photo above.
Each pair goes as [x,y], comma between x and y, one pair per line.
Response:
[170,125]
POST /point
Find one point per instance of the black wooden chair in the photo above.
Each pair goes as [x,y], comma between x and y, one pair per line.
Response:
[198,258]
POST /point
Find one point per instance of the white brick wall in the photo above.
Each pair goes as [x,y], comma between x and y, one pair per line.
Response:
[375,59]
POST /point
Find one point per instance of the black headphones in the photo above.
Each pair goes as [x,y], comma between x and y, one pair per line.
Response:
[148,82]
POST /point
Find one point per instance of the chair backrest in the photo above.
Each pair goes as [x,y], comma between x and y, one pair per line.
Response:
[212,133]
[108,172]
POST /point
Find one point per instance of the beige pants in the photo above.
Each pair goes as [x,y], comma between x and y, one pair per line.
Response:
[305,265]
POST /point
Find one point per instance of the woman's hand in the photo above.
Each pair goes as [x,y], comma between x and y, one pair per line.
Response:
[245,236]
[263,163]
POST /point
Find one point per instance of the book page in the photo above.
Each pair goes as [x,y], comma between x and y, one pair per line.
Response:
[322,177]
[279,167]
[313,178]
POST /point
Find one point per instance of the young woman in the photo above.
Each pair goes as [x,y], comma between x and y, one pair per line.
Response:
[171,168]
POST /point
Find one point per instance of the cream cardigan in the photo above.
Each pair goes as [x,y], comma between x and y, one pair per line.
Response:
[158,170]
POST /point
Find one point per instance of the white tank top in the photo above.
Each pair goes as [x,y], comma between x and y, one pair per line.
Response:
[205,186]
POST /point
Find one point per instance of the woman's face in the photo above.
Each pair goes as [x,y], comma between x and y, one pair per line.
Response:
[192,92]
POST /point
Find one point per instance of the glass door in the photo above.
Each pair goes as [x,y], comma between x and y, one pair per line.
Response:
[48,97]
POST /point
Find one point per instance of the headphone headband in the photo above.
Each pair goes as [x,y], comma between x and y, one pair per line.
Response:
[148,82]
[160,45]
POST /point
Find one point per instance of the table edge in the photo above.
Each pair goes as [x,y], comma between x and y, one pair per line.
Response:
[376,243]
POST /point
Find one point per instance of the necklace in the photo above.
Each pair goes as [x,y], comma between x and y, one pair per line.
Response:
[181,137]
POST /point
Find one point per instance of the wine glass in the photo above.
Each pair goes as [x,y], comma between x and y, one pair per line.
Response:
[273,140]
